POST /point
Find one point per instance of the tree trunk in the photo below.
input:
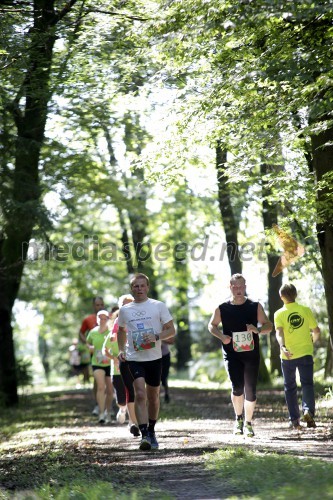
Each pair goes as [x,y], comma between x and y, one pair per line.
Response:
[329,359]
[183,338]
[322,150]
[135,138]
[29,111]
[181,280]
[270,217]
[229,221]
[274,303]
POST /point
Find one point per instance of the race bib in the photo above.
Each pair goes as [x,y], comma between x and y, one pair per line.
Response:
[242,341]
[139,343]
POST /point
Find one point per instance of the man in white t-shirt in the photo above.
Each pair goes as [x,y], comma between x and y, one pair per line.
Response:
[143,324]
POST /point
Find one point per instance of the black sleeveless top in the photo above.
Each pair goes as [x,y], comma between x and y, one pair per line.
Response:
[235,318]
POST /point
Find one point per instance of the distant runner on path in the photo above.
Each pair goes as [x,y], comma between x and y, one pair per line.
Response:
[240,317]
[88,324]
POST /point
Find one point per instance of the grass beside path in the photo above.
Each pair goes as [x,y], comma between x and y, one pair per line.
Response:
[256,475]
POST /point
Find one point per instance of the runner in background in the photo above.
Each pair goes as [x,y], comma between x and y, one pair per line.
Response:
[101,366]
[240,318]
[85,361]
[79,359]
[74,358]
[166,363]
[126,375]
[110,349]
[88,324]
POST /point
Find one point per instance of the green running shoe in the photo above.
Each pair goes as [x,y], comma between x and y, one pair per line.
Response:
[248,431]
[238,428]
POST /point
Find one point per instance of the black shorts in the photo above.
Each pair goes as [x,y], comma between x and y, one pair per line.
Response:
[149,370]
[119,387]
[107,369]
[166,362]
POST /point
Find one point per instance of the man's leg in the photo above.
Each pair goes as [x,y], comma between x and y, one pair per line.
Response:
[290,388]
[235,370]
[99,377]
[166,361]
[108,396]
[305,368]
[238,404]
[153,396]
[141,410]
[249,407]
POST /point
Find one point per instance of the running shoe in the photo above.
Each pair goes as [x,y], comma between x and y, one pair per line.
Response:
[121,416]
[145,444]
[95,411]
[238,428]
[101,419]
[134,429]
[308,418]
[153,441]
[248,430]
[107,417]
[294,425]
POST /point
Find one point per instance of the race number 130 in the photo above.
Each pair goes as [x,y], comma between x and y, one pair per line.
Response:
[243,341]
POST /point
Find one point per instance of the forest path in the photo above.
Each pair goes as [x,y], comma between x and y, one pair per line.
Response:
[178,467]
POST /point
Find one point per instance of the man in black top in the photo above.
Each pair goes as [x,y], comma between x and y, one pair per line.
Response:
[240,341]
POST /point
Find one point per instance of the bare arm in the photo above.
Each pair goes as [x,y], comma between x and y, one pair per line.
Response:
[280,338]
[168,331]
[213,327]
[315,334]
[121,338]
[266,325]
[106,349]
[83,336]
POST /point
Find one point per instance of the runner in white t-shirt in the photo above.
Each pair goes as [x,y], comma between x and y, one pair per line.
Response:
[143,324]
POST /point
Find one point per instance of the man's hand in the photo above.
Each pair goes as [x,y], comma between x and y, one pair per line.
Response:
[149,337]
[252,328]
[121,356]
[287,353]
[226,339]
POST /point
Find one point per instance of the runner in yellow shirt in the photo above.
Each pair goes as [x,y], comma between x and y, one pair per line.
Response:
[293,323]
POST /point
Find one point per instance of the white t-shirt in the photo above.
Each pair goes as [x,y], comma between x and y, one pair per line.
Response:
[139,318]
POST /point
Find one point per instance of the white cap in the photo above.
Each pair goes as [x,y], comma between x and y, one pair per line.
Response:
[104,312]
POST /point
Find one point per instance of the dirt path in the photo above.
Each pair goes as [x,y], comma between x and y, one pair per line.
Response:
[178,466]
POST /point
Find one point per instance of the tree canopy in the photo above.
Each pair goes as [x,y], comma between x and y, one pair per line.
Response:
[108,111]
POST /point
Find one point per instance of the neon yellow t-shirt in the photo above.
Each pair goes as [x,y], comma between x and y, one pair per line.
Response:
[96,339]
[296,321]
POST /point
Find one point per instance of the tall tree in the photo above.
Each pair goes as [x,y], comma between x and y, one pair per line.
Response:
[28,110]
[229,219]
[270,217]
[26,99]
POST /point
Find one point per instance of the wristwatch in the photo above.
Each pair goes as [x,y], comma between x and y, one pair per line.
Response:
[157,337]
